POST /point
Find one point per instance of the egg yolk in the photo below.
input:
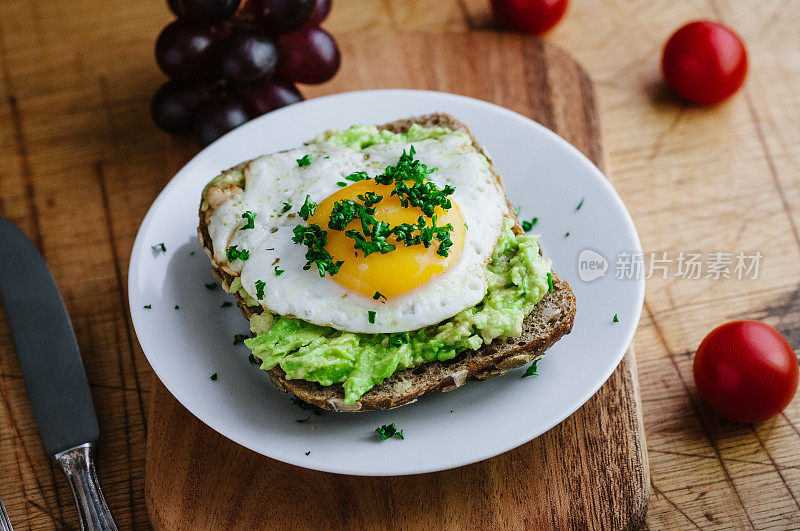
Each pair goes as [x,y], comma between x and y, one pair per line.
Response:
[397,271]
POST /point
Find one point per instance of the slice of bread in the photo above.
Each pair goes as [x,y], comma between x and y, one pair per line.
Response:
[551,319]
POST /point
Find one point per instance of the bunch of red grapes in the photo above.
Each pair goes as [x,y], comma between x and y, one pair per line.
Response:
[229,63]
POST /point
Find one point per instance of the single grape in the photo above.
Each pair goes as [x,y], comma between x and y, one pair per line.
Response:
[321,10]
[175,104]
[247,56]
[184,51]
[215,117]
[283,15]
[204,10]
[264,95]
[308,56]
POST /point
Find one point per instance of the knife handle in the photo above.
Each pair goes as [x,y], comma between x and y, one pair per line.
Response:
[78,465]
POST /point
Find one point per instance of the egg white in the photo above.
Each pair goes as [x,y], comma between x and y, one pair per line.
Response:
[275,179]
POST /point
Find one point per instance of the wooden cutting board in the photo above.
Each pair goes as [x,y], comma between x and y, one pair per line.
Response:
[589,471]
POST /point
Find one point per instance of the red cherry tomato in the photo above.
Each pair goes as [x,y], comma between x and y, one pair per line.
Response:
[746,371]
[529,16]
[705,62]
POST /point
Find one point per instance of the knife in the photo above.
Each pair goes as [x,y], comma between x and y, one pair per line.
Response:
[53,371]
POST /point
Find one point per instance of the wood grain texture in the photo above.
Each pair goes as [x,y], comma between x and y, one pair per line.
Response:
[75,81]
[589,472]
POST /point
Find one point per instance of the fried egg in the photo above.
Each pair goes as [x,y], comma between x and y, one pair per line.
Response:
[402,290]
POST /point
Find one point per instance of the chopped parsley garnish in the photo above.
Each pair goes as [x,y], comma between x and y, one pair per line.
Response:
[315,239]
[549,282]
[159,247]
[615,319]
[371,317]
[308,208]
[579,204]
[422,194]
[309,452]
[357,176]
[566,235]
[528,225]
[270,249]
[387,431]
[214,377]
[304,420]
[408,178]
[397,339]
[211,286]
[191,253]
[286,207]
[252,359]
[226,304]
[278,271]
[148,306]
[260,289]
[233,253]
[251,220]
[341,184]
[305,160]
[531,370]
[378,295]
[239,338]
[177,307]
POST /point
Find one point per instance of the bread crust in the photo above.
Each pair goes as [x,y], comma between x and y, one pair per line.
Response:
[551,319]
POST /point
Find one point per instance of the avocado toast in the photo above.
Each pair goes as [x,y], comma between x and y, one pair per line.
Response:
[369,369]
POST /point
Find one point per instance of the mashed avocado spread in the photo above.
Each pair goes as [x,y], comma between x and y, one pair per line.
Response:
[517,278]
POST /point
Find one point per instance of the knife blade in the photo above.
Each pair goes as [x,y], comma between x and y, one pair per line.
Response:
[52,370]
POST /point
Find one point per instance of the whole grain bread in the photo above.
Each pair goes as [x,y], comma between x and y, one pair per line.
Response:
[551,319]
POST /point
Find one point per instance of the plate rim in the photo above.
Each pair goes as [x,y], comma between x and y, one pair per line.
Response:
[137,255]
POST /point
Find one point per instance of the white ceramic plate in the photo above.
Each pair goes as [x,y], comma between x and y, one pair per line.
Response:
[543,174]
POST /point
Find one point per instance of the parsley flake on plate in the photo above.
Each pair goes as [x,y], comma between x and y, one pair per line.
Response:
[531,370]
[214,377]
[233,253]
[251,220]
[308,452]
[378,295]
[177,307]
[148,306]
[341,184]
[615,319]
[286,208]
[387,431]
[159,247]
[260,284]
[371,316]
[278,271]
[528,225]
[579,204]
[305,160]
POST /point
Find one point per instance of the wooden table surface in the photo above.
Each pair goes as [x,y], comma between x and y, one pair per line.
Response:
[76,143]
